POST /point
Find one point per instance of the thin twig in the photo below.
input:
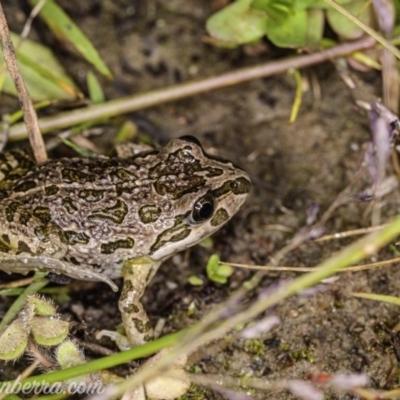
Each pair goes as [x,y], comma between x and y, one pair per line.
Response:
[30,116]
[16,284]
[28,24]
[356,268]
[156,97]
[347,234]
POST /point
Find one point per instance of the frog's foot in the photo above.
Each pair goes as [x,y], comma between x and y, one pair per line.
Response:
[120,340]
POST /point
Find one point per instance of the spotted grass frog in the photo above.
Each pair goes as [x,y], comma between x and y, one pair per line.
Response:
[103,218]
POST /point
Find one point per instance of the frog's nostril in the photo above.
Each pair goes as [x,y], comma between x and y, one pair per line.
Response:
[241,186]
[234,185]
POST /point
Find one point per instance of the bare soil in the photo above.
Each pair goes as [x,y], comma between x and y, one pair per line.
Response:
[155,44]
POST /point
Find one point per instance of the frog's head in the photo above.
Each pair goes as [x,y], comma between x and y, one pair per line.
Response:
[200,192]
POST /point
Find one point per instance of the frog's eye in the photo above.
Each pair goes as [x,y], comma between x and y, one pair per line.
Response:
[190,139]
[203,208]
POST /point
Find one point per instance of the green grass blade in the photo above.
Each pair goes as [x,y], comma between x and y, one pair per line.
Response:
[67,31]
[44,76]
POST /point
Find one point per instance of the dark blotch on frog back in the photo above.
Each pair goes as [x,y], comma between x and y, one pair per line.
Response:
[149,213]
[116,213]
[111,247]
[25,186]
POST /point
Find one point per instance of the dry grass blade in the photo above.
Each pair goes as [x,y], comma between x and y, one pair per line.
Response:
[385,12]
[30,116]
[281,268]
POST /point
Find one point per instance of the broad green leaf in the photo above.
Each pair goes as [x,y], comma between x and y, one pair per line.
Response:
[41,59]
[292,32]
[315,28]
[237,23]
[39,88]
[302,28]
[276,10]
[44,76]
[307,4]
[67,31]
[343,26]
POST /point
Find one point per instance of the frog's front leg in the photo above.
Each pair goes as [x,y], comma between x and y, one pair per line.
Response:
[137,274]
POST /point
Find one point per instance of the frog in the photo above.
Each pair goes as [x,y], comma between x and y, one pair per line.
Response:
[103,218]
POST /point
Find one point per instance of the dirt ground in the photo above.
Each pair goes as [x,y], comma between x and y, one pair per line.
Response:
[153,44]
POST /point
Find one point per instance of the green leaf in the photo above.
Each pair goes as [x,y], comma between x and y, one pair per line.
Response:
[127,132]
[67,31]
[218,272]
[13,340]
[41,306]
[195,280]
[68,355]
[78,149]
[292,32]
[96,93]
[207,243]
[276,10]
[302,28]
[315,28]
[49,331]
[225,270]
[343,26]
[307,4]
[237,23]
[44,76]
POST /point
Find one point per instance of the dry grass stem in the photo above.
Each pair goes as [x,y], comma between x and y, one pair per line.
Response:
[30,117]
[347,234]
[156,97]
[356,268]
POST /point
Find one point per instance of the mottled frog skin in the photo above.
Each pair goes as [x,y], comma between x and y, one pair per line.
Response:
[103,218]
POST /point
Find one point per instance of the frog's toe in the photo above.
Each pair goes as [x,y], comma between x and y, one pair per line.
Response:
[120,340]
